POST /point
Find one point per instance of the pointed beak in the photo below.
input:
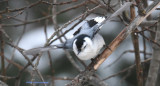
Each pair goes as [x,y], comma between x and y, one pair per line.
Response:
[78,52]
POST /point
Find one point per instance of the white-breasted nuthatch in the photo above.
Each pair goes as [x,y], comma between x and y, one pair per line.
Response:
[86,42]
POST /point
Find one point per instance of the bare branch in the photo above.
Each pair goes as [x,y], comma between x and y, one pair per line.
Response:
[137,58]
[155,62]
[2,44]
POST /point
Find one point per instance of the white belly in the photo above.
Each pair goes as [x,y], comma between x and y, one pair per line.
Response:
[92,51]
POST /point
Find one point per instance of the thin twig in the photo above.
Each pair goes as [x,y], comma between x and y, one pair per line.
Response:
[27,65]
[30,62]
[124,70]
[63,78]
[14,63]
[127,51]
[46,17]
[139,70]
[145,29]
[9,17]
[20,37]
[149,23]
[153,41]
[144,44]
[5,34]
[7,77]
[19,9]
[2,45]
[69,22]
[61,3]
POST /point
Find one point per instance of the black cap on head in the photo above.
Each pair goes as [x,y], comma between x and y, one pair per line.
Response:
[80,41]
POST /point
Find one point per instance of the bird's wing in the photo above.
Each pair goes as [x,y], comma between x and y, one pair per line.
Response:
[92,26]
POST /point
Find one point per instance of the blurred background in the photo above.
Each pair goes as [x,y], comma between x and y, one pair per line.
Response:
[30,23]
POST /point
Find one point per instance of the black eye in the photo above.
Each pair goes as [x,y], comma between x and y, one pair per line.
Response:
[80,43]
[85,46]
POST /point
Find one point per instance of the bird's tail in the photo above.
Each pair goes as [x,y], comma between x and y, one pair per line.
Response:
[101,21]
[36,51]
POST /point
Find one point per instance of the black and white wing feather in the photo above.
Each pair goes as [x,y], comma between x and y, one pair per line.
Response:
[90,27]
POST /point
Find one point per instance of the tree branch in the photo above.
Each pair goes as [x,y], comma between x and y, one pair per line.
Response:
[155,62]
[112,46]
[122,35]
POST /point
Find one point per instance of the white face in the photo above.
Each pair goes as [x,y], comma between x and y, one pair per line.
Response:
[88,41]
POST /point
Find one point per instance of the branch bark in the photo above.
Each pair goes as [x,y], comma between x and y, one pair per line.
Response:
[139,70]
[2,44]
[155,62]
[136,51]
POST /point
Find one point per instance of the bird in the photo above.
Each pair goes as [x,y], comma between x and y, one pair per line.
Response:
[86,42]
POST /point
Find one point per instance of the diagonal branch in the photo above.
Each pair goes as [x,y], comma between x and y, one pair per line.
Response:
[89,72]
[122,35]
